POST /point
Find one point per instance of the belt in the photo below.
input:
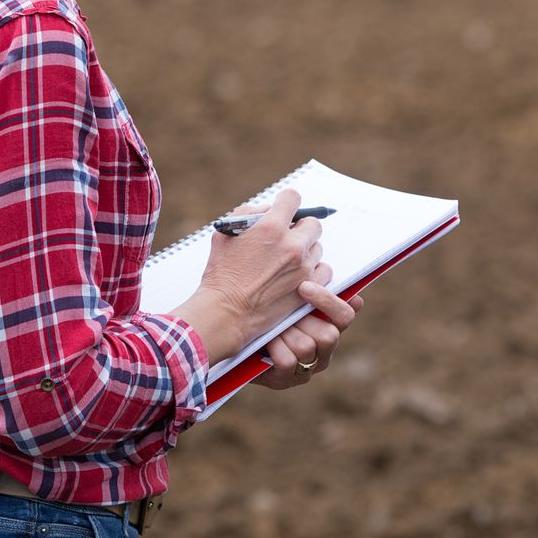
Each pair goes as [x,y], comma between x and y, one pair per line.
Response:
[141,513]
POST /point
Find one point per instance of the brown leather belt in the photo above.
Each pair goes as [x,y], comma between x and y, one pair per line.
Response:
[141,513]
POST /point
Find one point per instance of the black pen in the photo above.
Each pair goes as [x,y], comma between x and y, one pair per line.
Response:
[239,223]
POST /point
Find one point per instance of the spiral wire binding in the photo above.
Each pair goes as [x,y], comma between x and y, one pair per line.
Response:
[171,249]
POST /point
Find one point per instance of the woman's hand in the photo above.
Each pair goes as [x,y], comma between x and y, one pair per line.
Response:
[250,282]
[309,339]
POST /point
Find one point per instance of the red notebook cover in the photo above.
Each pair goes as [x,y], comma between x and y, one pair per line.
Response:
[254,365]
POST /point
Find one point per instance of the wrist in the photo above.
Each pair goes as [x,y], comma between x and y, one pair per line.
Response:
[215,321]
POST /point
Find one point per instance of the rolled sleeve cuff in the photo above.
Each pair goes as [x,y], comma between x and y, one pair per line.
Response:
[188,363]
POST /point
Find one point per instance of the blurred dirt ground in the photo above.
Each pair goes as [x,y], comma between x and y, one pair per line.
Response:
[426,425]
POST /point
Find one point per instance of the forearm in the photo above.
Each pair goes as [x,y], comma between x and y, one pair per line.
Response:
[216,322]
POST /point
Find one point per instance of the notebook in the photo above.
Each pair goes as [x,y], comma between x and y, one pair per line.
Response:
[373,230]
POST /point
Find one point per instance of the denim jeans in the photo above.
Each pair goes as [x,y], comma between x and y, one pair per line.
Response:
[25,518]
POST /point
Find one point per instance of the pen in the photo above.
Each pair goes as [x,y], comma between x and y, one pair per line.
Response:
[236,224]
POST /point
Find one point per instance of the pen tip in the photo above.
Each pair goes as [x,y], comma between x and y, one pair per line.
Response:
[330,211]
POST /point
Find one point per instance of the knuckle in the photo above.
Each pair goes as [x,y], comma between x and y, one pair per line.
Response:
[306,272]
[305,346]
[267,227]
[329,336]
[315,254]
[284,363]
[308,267]
[312,223]
[283,360]
[322,273]
[316,225]
[295,252]
[326,271]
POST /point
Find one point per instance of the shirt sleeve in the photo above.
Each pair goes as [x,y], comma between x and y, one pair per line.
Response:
[74,378]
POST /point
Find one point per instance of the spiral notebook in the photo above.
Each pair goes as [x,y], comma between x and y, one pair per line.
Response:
[373,230]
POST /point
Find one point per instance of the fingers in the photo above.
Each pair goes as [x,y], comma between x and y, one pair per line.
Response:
[315,254]
[282,374]
[323,274]
[308,230]
[310,338]
[356,302]
[306,341]
[282,212]
[283,358]
[244,209]
[337,310]
[325,336]
[301,344]
[248,209]
[278,219]
[284,208]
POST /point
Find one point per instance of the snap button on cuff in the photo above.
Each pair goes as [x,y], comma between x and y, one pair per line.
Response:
[47,384]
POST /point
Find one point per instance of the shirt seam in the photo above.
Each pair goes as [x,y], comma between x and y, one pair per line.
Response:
[47,7]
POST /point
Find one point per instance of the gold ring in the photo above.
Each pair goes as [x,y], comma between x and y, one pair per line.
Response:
[304,368]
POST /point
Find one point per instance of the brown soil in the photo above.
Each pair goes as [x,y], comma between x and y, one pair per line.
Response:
[426,425]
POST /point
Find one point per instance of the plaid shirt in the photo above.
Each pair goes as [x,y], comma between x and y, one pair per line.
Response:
[93,392]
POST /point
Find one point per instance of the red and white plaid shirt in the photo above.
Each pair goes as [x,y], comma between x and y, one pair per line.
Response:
[93,392]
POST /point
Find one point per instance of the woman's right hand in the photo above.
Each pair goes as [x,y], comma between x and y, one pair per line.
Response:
[250,281]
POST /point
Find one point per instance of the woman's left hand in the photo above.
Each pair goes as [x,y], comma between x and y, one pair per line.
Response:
[310,338]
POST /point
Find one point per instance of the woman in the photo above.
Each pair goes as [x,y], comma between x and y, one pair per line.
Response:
[93,391]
